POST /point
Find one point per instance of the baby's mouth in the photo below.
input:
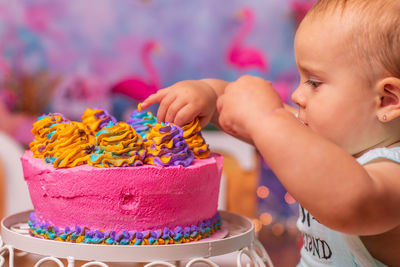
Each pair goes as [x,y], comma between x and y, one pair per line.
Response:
[301,120]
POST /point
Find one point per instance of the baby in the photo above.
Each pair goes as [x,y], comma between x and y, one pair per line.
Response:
[338,154]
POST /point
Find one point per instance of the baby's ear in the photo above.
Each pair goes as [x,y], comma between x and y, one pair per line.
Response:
[389,92]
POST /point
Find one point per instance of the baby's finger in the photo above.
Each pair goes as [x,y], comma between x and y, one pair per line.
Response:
[204,121]
[185,115]
[164,105]
[173,109]
[154,98]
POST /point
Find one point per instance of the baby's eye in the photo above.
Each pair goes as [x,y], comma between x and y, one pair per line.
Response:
[313,83]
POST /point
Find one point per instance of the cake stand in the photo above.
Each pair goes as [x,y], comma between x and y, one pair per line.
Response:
[237,235]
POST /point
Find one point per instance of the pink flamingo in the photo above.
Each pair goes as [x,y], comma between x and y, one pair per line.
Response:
[300,9]
[136,87]
[245,57]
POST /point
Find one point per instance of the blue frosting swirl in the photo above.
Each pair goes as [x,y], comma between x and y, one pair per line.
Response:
[141,122]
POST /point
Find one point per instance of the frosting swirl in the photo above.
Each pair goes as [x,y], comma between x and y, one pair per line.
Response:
[41,130]
[164,236]
[96,119]
[118,145]
[196,142]
[69,144]
[166,146]
[102,142]
[141,122]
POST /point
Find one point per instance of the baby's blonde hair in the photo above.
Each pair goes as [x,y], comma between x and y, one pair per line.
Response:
[375,35]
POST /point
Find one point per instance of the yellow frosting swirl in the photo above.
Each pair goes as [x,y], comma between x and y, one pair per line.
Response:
[118,145]
[102,142]
[70,145]
[153,144]
[197,144]
[96,119]
[41,129]
[166,146]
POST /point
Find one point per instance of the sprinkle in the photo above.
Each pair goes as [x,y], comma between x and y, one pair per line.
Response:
[139,107]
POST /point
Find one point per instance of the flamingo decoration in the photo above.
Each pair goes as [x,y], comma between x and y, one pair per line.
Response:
[246,57]
[300,9]
[138,88]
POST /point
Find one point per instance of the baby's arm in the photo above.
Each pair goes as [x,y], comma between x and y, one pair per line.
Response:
[320,175]
[326,180]
[183,101]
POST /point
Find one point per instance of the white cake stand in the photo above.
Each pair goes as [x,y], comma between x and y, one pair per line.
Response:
[237,234]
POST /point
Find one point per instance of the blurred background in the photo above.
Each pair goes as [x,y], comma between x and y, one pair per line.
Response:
[64,56]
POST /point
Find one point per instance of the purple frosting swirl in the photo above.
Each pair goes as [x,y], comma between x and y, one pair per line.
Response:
[179,154]
[141,122]
[105,118]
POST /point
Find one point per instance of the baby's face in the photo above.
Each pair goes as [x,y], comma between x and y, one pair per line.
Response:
[334,98]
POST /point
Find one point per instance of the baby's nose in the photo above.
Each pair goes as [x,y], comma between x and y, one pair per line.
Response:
[299,98]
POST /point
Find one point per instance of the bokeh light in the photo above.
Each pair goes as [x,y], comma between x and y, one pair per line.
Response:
[266,218]
[262,191]
[289,199]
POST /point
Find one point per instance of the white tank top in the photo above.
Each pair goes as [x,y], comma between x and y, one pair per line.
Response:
[325,247]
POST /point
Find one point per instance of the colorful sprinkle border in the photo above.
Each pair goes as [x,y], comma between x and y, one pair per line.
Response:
[166,236]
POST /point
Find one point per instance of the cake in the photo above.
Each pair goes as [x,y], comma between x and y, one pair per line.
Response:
[100,181]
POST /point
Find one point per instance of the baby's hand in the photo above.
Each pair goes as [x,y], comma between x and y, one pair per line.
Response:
[245,103]
[184,101]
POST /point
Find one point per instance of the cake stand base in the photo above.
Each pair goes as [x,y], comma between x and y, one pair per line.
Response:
[237,234]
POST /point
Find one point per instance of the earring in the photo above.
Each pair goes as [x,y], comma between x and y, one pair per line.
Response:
[384,118]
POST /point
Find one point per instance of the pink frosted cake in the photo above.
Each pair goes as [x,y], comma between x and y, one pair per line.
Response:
[99,181]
